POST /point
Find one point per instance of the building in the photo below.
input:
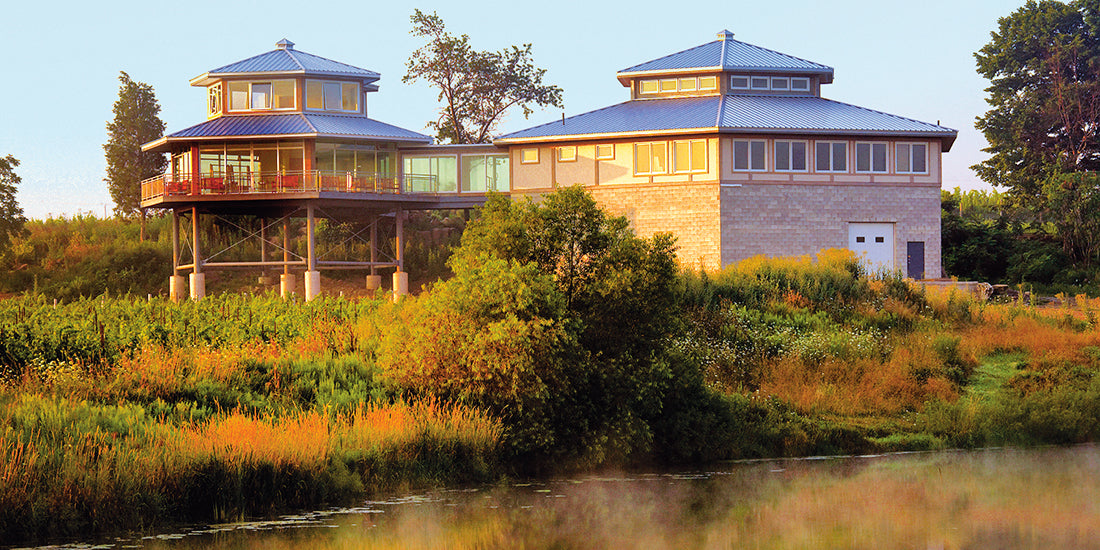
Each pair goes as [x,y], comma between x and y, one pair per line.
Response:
[729,146]
[733,148]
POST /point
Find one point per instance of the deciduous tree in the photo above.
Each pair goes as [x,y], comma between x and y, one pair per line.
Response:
[1044,93]
[12,220]
[136,121]
[476,88]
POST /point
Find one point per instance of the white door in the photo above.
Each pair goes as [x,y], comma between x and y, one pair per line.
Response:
[873,243]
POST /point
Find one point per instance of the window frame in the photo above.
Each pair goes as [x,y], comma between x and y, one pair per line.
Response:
[790,155]
[523,155]
[800,79]
[871,158]
[765,79]
[691,145]
[214,100]
[749,167]
[910,145]
[733,84]
[563,155]
[831,156]
[649,148]
[710,86]
[610,156]
[642,86]
[786,80]
[326,85]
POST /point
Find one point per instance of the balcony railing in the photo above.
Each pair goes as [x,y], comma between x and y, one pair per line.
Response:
[258,183]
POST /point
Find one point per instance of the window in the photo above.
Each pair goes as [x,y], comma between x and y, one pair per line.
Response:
[282,94]
[238,96]
[214,105]
[871,157]
[689,84]
[482,173]
[760,83]
[431,174]
[911,158]
[567,154]
[832,156]
[261,95]
[790,156]
[800,84]
[649,158]
[332,96]
[648,87]
[689,156]
[314,96]
[605,151]
[749,155]
[668,85]
[739,82]
[708,83]
[781,83]
[529,156]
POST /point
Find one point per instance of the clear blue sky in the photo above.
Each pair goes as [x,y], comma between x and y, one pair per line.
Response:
[913,59]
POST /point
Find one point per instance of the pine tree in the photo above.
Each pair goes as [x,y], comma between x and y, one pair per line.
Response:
[12,220]
[136,122]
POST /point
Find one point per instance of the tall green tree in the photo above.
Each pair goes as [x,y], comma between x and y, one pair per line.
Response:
[12,220]
[477,88]
[1044,93]
[136,121]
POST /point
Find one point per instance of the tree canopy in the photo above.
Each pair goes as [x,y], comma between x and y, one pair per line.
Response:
[136,121]
[476,87]
[1043,64]
[12,220]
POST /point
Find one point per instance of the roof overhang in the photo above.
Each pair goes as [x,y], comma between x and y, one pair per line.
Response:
[947,139]
[625,77]
[164,144]
[208,78]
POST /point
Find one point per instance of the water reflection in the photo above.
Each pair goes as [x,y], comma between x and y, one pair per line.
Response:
[1042,498]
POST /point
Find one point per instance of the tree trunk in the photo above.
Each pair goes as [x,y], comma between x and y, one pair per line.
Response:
[141,235]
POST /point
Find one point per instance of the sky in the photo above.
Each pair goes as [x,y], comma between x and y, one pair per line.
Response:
[913,59]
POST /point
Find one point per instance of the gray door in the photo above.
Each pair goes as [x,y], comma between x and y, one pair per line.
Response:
[914,254]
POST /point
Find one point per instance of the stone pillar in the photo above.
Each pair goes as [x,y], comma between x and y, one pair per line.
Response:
[177,288]
[400,285]
[313,284]
[374,282]
[198,286]
[286,284]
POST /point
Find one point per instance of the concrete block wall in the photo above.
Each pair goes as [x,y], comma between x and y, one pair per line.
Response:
[794,219]
[689,210]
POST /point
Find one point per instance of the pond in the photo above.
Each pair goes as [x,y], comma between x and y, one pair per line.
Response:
[996,498]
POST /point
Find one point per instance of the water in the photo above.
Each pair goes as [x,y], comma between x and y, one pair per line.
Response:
[1001,498]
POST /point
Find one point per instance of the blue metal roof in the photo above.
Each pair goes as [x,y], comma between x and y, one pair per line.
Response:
[727,54]
[285,59]
[733,114]
[291,125]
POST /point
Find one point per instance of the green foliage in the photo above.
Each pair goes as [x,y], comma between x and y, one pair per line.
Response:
[476,88]
[1043,92]
[12,220]
[135,122]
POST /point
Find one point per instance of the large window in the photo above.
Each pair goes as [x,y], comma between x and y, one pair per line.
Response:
[650,158]
[431,174]
[482,173]
[689,156]
[790,156]
[871,157]
[831,156]
[749,155]
[678,85]
[911,158]
[261,96]
[241,162]
[332,96]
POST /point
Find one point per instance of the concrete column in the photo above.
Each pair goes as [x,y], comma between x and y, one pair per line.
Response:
[263,280]
[374,282]
[177,287]
[374,251]
[198,286]
[400,285]
[313,284]
[286,284]
[198,278]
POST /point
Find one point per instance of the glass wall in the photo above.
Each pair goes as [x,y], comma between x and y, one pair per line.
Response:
[431,174]
[359,160]
[240,160]
[482,173]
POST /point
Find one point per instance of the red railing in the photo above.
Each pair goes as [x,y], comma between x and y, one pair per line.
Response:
[261,182]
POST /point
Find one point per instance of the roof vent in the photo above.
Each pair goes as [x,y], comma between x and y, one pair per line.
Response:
[284,44]
[725,35]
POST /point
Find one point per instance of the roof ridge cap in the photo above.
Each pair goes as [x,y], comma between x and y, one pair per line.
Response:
[294,58]
[777,52]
